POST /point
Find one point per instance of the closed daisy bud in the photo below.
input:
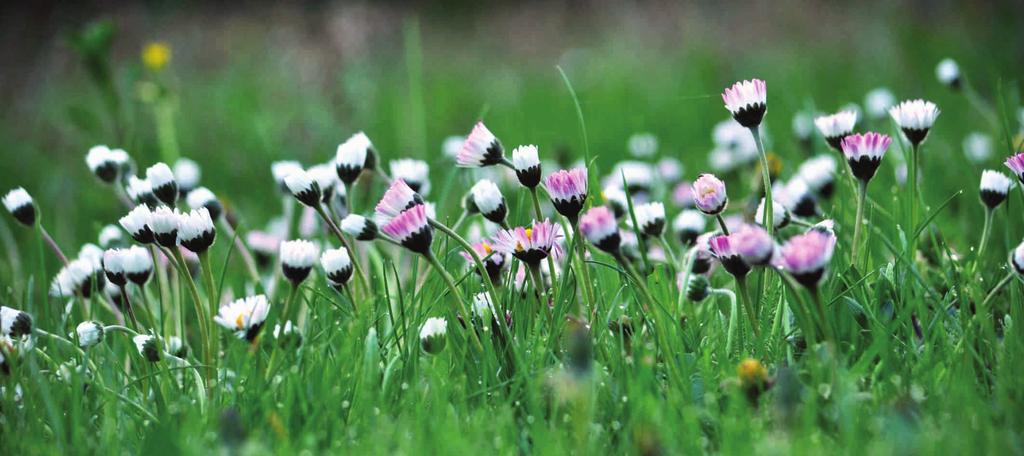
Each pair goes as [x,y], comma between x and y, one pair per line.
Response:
[481,148]
[411,229]
[599,227]
[337,266]
[327,178]
[196,230]
[1016,164]
[244,316]
[297,258]
[722,248]
[864,153]
[994,188]
[698,289]
[113,266]
[651,218]
[688,225]
[137,264]
[164,222]
[161,178]
[106,164]
[111,236]
[148,346]
[434,335]
[141,192]
[527,164]
[202,197]
[639,177]
[89,333]
[616,199]
[19,203]
[819,173]
[709,194]
[15,323]
[304,188]
[796,197]
[915,118]
[75,278]
[359,227]
[529,245]
[186,174]
[398,198]
[415,173]
[835,127]
[353,156]
[747,102]
[1017,258]
[878,101]
[568,190]
[488,200]
[806,256]
[281,169]
[753,244]
[948,73]
[827,226]
[780,214]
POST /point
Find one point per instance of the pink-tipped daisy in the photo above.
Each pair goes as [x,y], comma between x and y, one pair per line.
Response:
[915,118]
[754,245]
[481,148]
[529,245]
[398,198]
[568,190]
[598,225]
[835,127]
[806,256]
[864,153]
[494,262]
[709,194]
[1016,164]
[411,229]
[747,101]
[722,248]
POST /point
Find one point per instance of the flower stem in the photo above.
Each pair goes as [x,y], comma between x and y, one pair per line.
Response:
[748,308]
[351,253]
[721,223]
[985,232]
[540,216]
[767,182]
[204,328]
[858,221]
[455,291]
[581,252]
[243,251]
[472,253]
[669,251]
[912,182]
[52,244]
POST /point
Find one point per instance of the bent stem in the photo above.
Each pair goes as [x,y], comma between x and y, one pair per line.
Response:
[243,250]
[432,260]
[363,281]
[52,244]
[721,223]
[733,313]
[472,253]
[861,196]
[826,325]
[767,180]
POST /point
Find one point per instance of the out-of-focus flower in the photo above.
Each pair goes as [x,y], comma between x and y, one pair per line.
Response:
[642,145]
[156,55]
[598,225]
[433,335]
[878,101]
[19,203]
[978,147]
[415,173]
[948,73]
[835,127]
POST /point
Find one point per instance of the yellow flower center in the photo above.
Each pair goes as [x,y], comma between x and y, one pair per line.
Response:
[487,247]
[239,321]
[155,56]
[529,233]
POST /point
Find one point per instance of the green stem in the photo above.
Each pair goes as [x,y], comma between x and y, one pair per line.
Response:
[826,325]
[540,216]
[244,252]
[204,329]
[468,248]
[52,244]
[363,281]
[455,291]
[912,183]
[733,317]
[721,223]
[581,252]
[670,252]
[858,221]
[128,306]
[985,232]
[748,307]
[767,182]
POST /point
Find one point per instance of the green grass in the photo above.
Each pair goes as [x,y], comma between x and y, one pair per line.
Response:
[360,383]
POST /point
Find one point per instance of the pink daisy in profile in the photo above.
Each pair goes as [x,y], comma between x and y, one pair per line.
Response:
[722,248]
[481,148]
[747,101]
[568,190]
[753,244]
[1016,164]
[411,229]
[529,245]
[864,153]
[398,198]
[598,225]
[806,256]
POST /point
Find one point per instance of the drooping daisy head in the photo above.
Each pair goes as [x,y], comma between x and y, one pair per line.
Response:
[245,317]
[353,156]
[411,228]
[398,198]
[481,148]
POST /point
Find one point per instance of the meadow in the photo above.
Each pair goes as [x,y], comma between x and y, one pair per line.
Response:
[571,260]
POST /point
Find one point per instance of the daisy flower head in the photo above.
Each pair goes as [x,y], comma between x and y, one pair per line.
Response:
[526,162]
[244,316]
[359,227]
[433,335]
[819,173]
[302,186]
[398,198]
[754,245]
[599,226]
[806,256]
[864,153]
[1017,259]
[187,174]
[878,101]
[915,118]
[161,179]
[568,190]
[835,127]
[148,347]
[724,250]
[196,230]
[780,214]
[337,266]
[487,200]
[137,264]
[19,203]
[353,156]
[948,73]
[709,194]
[411,228]
[530,245]
[90,333]
[747,102]
[650,217]
[14,322]
[281,169]
[164,222]
[994,188]
[688,225]
[1016,164]
[202,197]
[481,148]
[415,173]
[105,163]
[297,258]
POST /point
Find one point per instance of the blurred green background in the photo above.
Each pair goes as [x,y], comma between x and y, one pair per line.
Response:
[263,82]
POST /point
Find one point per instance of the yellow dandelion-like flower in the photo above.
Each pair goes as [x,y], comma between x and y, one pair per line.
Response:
[752,372]
[156,55]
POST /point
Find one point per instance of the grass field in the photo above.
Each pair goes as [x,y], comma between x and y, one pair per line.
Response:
[911,348]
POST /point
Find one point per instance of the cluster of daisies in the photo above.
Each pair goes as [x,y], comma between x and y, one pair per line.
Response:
[171,222]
